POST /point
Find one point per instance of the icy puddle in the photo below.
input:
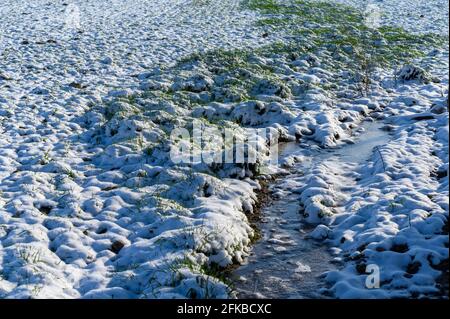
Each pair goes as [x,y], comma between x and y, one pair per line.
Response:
[284,263]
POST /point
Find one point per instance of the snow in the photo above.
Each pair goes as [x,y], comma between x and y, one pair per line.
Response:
[91,205]
[413,15]
[64,199]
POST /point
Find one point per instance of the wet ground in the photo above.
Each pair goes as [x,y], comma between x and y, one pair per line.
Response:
[285,263]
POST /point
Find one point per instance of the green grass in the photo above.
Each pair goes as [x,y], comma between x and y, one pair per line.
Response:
[338,28]
[342,25]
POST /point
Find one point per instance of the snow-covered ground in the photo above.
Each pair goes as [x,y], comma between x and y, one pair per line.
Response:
[60,211]
[91,205]
[395,212]
[413,15]
[391,212]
